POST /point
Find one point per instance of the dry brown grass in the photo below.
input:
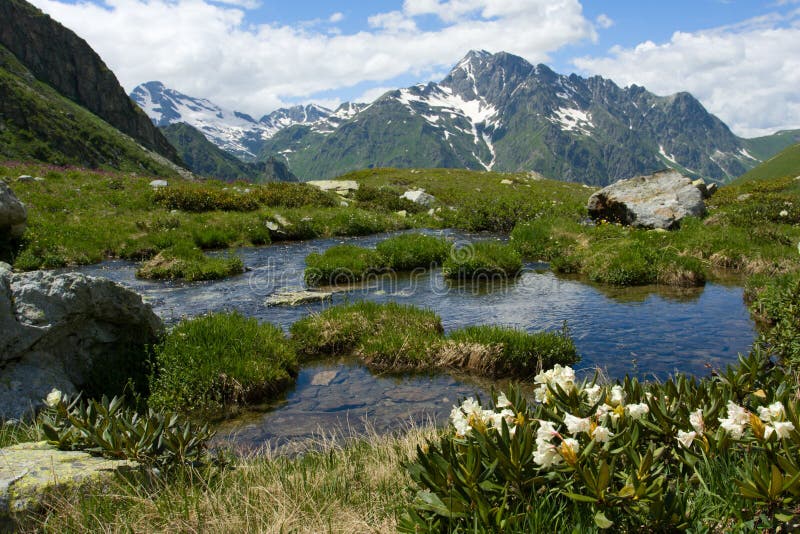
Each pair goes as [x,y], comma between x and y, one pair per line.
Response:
[352,488]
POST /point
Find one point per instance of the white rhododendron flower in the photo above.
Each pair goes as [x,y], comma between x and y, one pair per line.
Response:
[471,406]
[593,393]
[738,418]
[637,410]
[502,401]
[576,425]
[686,438]
[459,421]
[617,395]
[773,412]
[54,398]
[602,434]
[546,455]
[562,376]
[783,428]
[697,422]
[496,419]
[606,410]
[541,394]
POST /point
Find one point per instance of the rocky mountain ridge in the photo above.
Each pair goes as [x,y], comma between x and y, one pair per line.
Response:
[56,56]
[500,112]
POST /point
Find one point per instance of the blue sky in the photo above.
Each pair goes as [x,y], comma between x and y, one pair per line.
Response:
[740,58]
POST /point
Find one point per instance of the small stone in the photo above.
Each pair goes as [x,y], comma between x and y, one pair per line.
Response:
[506,182]
[38,179]
[24,178]
[273,226]
[431,212]
[343,203]
[295,298]
[402,213]
[158,183]
[743,197]
[324,378]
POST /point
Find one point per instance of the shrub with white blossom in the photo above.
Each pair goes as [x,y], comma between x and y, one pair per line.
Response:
[625,455]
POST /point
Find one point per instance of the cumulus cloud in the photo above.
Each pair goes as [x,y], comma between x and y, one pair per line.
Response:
[208,49]
[747,74]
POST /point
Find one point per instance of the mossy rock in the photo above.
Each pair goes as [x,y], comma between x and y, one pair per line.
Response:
[29,472]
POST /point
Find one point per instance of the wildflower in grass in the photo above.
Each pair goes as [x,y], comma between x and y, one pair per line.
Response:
[617,395]
[784,213]
[636,411]
[54,398]
[576,425]
[697,422]
[686,438]
[593,393]
[601,434]
[738,418]
[773,412]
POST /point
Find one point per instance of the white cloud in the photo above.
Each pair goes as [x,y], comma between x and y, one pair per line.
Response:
[747,74]
[209,50]
[336,17]
[370,95]
[604,21]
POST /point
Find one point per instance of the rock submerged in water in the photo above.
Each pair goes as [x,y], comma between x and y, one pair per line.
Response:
[57,329]
[658,200]
[13,214]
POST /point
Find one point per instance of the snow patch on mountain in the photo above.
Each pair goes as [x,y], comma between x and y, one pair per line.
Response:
[573,120]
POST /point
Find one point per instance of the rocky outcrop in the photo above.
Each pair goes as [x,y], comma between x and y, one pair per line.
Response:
[60,330]
[29,472]
[420,197]
[658,200]
[64,61]
[13,215]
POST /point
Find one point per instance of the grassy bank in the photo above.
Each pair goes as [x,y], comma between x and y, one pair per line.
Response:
[79,216]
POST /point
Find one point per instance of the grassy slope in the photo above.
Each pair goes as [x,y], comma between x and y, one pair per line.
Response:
[37,123]
[784,164]
[768,146]
[206,159]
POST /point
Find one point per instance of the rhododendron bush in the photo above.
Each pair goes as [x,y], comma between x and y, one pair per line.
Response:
[624,454]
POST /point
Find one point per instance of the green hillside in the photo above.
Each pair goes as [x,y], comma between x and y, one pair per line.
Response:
[204,158]
[786,163]
[37,123]
[770,145]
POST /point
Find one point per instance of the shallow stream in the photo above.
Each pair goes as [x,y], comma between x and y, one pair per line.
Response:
[649,331]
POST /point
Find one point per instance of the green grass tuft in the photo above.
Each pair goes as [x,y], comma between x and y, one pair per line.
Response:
[407,252]
[216,361]
[342,264]
[482,261]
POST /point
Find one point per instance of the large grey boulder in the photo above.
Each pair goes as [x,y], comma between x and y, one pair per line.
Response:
[13,215]
[58,330]
[658,200]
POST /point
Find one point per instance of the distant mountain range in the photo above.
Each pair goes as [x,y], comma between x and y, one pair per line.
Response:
[235,132]
[492,111]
